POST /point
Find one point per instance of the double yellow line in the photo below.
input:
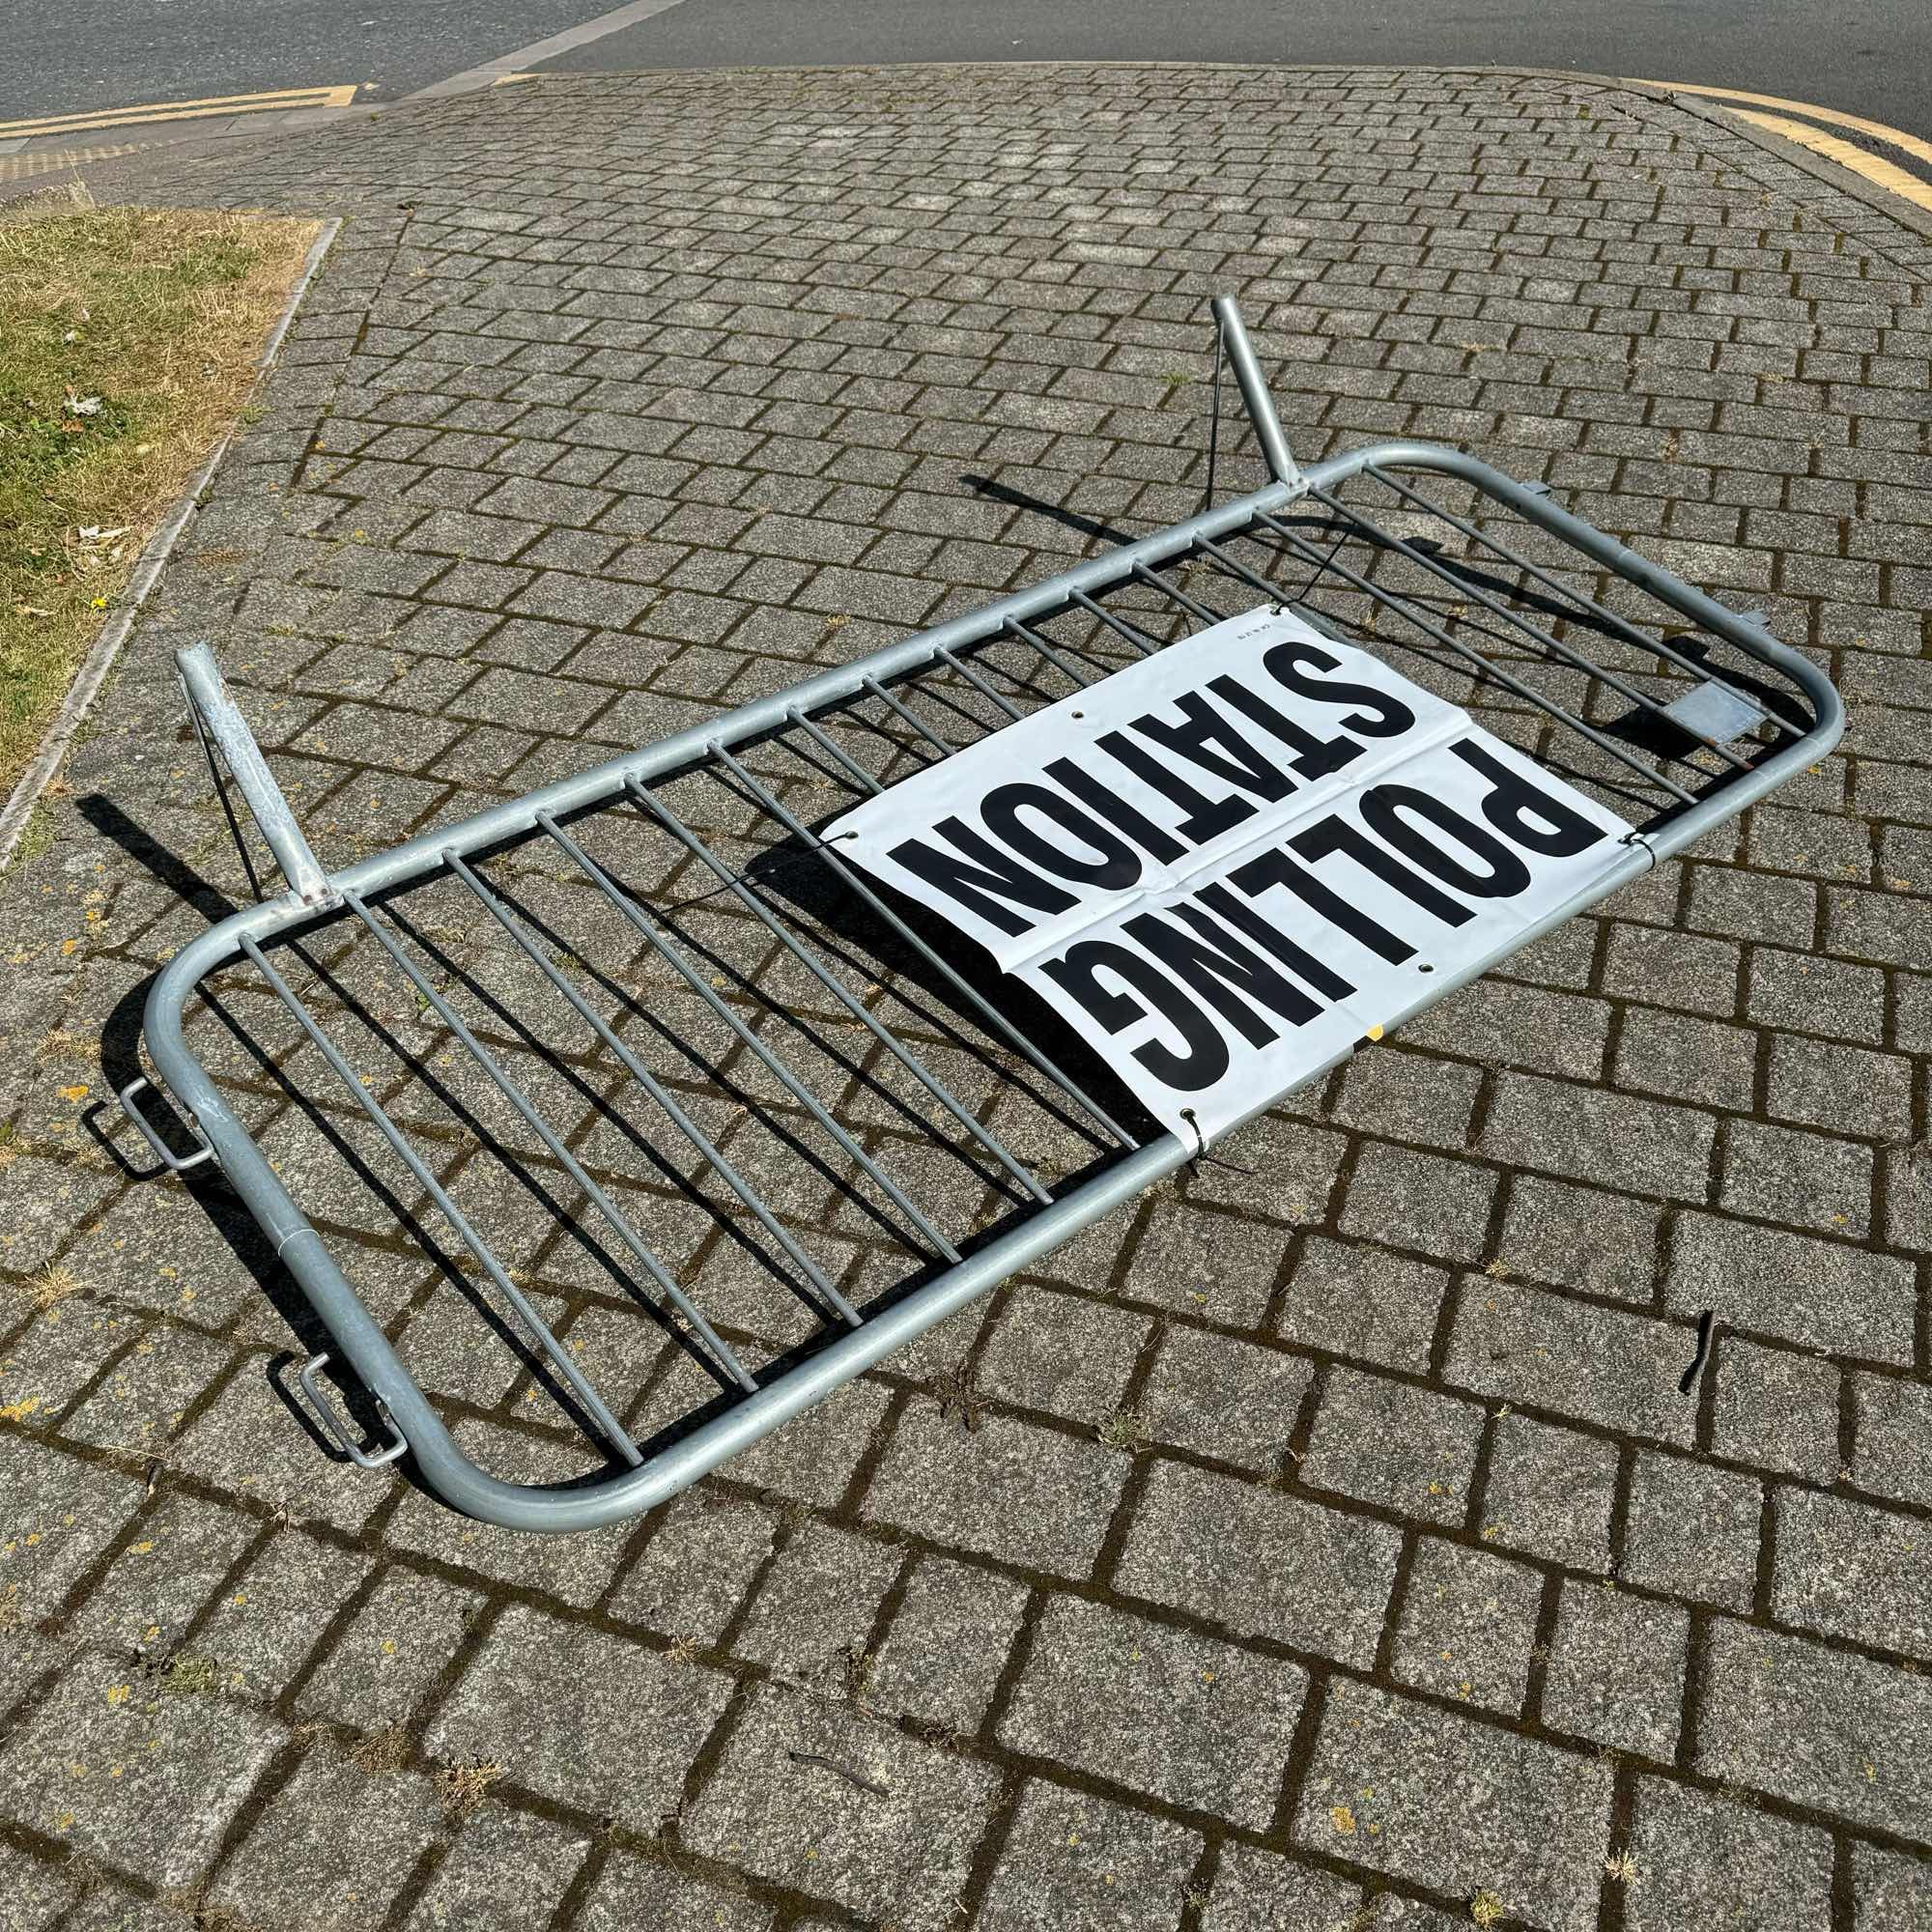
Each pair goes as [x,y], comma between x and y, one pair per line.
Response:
[1874,168]
[283,101]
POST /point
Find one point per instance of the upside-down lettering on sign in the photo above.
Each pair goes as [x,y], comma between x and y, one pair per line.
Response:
[1229,862]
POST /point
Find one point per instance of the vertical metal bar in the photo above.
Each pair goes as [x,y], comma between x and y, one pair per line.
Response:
[1140,640]
[993,1015]
[544,1132]
[652,1085]
[1214,422]
[1192,605]
[614,1430]
[937,1088]
[1576,659]
[208,695]
[886,698]
[979,684]
[1053,657]
[772,1064]
[1282,466]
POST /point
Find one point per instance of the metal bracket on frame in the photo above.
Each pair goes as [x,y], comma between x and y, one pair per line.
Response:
[338,1428]
[162,1152]
[221,726]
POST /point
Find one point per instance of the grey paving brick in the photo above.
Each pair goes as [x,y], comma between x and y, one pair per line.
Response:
[56,1356]
[775,1807]
[1813,995]
[1515,1025]
[1550,1492]
[1409,1096]
[1776,1409]
[607,1728]
[61,1516]
[1588,1135]
[140,1405]
[1388,1442]
[1261,1563]
[1685,1057]
[1231,1399]
[43,1205]
[1410,1200]
[1820,1294]
[1469,1620]
[298,1862]
[1793,1176]
[1892,1454]
[399,1644]
[1527,1345]
[1211,1265]
[1693,1530]
[815,1605]
[1075,1860]
[1362,1302]
[1580,1238]
[1821,1727]
[1255,1890]
[1616,1670]
[38,1891]
[1708,1861]
[1671,969]
[1843,1089]
[500,1855]
[696,1568]
[163,1575]
[1061,1353]
[247,1442]
[1846,1569]
[1907,1180]
[948,1645]
[1201,1725]
[1890,1889]
[1425,1794]
[109,1908]
[576,1569]
[143,1774]
[262,1629]
[633,1891]
[812,1458]
[1024,1494]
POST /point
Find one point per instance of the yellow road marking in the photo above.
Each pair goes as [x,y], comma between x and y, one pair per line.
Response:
[282,99]
[1895,137]
[1886,173]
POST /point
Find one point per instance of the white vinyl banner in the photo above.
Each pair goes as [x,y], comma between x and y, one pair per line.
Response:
[1229,862]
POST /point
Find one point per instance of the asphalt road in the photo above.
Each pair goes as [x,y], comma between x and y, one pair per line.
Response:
[78,56]
[1868,57]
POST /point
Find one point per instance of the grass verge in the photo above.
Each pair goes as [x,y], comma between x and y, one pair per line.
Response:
[128,338]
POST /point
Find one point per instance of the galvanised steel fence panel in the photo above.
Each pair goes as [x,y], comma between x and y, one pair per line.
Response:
[630,1107]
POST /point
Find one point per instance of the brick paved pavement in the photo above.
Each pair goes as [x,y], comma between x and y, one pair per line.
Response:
[1413,1571]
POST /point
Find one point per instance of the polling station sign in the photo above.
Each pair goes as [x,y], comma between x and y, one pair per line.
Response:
[1231,862]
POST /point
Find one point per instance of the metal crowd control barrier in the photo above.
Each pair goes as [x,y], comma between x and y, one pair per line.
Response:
[643,1123]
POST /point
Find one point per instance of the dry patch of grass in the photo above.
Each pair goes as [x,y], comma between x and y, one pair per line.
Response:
[128,338]
[463,1786]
